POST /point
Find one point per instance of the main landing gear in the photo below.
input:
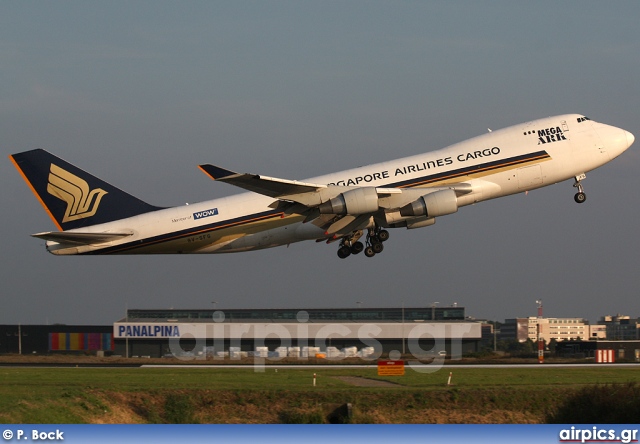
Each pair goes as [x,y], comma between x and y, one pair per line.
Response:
[375,238]
[348,248]
[580,196]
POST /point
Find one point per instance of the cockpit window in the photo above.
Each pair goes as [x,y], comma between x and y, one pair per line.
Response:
[582,119]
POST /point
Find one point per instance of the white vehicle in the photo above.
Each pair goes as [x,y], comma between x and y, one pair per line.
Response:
[94,217]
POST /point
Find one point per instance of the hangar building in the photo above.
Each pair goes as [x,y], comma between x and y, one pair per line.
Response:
[200,333]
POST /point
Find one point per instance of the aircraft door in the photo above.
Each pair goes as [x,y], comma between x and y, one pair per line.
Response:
[529,177]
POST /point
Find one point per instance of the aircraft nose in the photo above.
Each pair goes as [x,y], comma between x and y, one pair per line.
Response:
[630,138]
[616,140]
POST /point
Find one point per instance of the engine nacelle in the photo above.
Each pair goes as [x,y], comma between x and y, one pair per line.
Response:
[358,201]
[430,205]
[414,222]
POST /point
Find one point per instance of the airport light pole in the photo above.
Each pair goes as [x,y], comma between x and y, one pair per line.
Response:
[433,310]
[126,336]
[540,341]
[403,349]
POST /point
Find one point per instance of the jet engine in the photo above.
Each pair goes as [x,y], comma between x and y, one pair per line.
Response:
[358,201]
[434,204]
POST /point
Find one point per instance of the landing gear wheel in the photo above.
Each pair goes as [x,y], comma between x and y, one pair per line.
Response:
[357,248]
[580,197]
[375,237]
[344,252]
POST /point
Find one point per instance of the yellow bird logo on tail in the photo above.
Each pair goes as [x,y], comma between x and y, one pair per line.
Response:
[81,201]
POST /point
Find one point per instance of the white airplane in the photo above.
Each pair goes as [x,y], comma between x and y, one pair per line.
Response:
[96,218]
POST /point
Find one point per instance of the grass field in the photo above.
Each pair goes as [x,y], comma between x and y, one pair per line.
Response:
[219,395]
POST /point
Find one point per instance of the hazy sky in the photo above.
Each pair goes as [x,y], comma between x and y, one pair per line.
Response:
[140,93]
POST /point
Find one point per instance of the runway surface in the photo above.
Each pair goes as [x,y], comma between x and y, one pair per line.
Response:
[269,364]
[408,364]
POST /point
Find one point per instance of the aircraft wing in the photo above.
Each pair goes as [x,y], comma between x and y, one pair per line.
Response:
[269,186]
[77,238]
[345,209]
[307,194]
[302,192]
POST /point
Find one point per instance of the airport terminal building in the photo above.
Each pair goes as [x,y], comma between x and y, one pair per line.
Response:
[299,333]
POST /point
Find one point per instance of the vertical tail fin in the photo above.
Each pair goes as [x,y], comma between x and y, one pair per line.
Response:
[72,197]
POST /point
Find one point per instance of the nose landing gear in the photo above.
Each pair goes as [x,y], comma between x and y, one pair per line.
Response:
[580,196]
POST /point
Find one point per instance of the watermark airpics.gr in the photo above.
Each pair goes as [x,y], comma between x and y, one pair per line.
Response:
[218,340]
[597,434]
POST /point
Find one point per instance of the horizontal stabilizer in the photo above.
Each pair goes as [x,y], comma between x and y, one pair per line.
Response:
[268,186]
[66,237]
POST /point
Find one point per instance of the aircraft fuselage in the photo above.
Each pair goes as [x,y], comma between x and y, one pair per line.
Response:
[498,163]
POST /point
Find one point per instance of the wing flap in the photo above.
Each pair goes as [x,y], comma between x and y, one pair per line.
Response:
[348,224]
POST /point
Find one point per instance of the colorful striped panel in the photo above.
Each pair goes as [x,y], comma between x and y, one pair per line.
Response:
[81,341]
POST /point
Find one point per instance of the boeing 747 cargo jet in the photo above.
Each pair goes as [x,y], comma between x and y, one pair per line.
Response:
[349,207]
